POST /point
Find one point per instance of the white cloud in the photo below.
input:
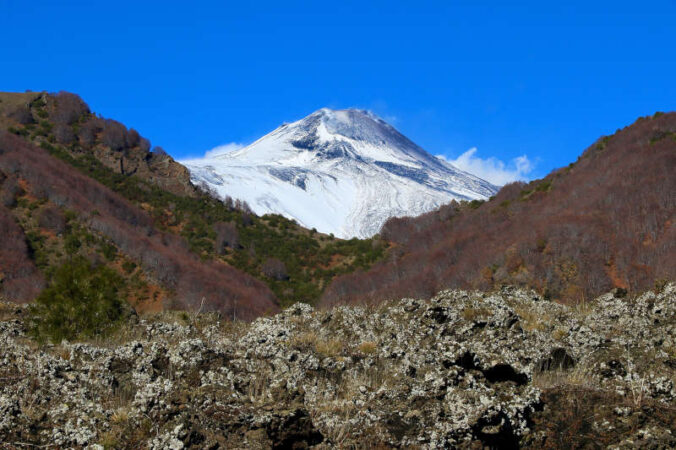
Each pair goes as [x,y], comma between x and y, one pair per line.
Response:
[392,120]
[492,169]
[216,151]
[223,149]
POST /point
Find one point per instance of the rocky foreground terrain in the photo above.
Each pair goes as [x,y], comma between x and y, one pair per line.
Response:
[464,369]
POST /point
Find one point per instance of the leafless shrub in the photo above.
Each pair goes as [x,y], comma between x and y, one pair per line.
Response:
[114,135]
[133,138]
[22,114]
[226,236]
[67,108]
[64,134]
[51,218]
[274,268]
[89,132]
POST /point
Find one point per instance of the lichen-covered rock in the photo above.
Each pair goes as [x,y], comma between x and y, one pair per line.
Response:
[464,368]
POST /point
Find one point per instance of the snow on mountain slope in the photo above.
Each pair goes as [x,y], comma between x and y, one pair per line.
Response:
[340,171]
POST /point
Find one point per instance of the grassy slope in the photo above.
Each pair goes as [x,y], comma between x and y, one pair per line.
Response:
[49,248]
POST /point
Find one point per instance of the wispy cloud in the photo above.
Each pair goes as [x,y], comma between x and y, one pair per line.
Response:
[492,169]
[216,151]
[223,149]
[391,119]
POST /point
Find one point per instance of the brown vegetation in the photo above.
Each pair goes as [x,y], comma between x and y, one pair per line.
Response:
[571,415]
[227,236]
[605,221]
[274,268]
[164,255]
[20,281]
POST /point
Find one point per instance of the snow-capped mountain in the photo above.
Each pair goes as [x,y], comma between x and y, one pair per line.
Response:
[340,171]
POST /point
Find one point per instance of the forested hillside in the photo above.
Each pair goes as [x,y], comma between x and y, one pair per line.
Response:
[295,263]
[60,214]
[607,220]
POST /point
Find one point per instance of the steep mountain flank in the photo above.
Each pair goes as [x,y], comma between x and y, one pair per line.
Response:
[340,171]
[607,220]
[50,191]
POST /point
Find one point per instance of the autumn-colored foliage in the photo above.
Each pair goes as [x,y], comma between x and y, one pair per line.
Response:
[20,280]
[607,220]
[162,254]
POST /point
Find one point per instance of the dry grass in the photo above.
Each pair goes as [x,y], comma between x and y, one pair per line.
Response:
[325,347]
[9,311]
[61,352]
[130,331]
[579,376]
[9,101]
[533,320]
[583,308]
[258,390]
[373,379]
[472,314]
[559,333]
[110,439]
[330,347]
[304,340]
[121,415]
[367,347]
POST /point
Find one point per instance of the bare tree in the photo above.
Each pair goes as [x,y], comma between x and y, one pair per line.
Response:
[226,236]
[64,134]
[274,268]
[22,115]
[89,132]
[114,135]
[67,108]
[51,218]
[157,150]
[133,138]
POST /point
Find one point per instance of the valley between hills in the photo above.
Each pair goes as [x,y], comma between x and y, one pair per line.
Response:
[144,309]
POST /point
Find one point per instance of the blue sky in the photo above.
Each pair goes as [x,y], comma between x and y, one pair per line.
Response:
[510,79]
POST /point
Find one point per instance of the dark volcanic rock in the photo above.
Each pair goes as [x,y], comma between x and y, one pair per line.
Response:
[410,374]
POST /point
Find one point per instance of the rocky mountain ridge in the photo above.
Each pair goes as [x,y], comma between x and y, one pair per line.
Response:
[464,369]
[63,118]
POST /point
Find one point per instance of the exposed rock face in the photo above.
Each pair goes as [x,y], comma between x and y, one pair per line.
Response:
[458,370]
[159,169]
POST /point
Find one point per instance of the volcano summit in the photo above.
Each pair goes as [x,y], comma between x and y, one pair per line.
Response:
[340,171]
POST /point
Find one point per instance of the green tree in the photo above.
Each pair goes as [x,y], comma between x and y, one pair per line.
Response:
[81,301]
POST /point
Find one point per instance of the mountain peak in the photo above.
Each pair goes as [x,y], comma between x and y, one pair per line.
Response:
[346,118]
[332,112]
[353,134]
[341,171]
